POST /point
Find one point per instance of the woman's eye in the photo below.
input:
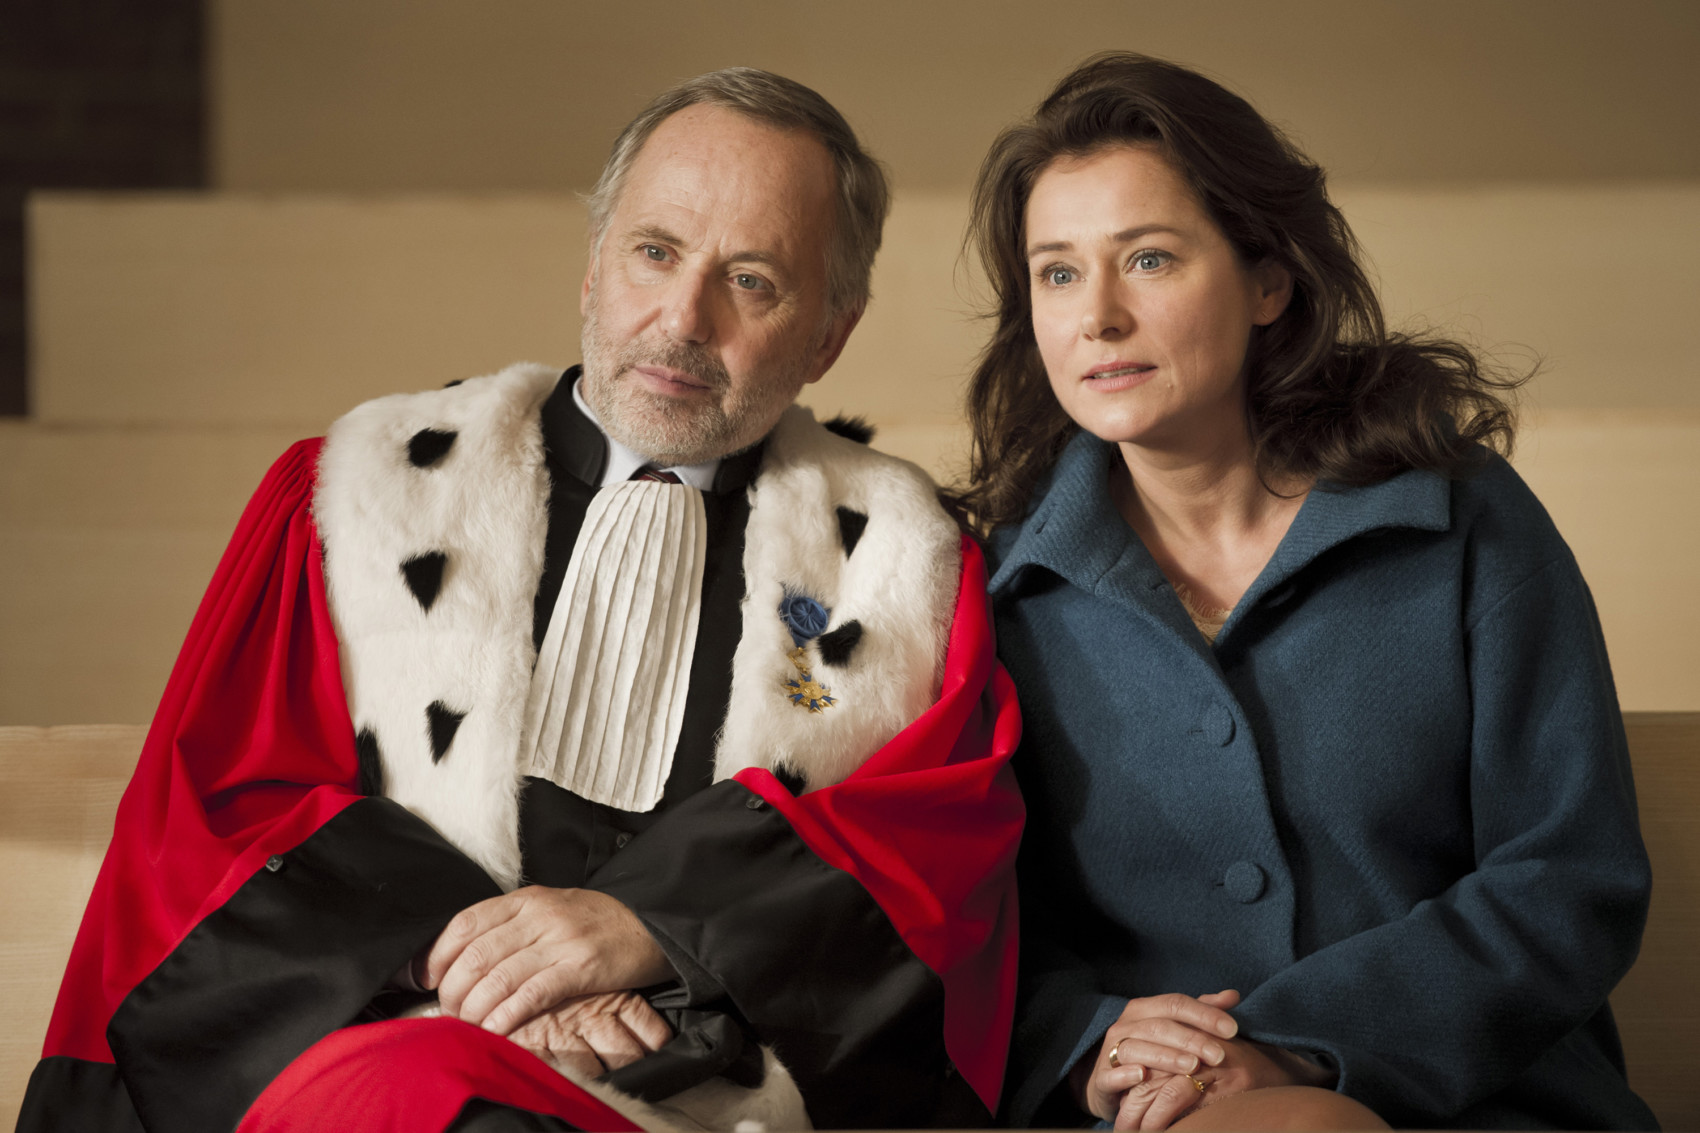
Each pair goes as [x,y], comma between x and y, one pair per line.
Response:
[1059,277]
[1149,261]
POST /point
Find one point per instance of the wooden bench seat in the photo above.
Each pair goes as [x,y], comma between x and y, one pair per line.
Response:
[60,786]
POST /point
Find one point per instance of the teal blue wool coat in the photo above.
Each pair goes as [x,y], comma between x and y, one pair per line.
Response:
[1392,805]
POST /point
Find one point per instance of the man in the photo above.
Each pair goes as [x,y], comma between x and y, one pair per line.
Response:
[733,725]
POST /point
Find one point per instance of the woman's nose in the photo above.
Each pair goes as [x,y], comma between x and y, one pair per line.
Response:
[1107,314]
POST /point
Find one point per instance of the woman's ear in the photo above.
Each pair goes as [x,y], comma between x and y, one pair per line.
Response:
[1274,290]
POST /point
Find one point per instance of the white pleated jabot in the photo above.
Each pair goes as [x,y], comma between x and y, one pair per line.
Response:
[608,694]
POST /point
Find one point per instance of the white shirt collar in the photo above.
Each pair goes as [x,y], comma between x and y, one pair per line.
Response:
[622,461]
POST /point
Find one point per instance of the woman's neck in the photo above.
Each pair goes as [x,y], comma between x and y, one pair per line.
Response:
[1205,515]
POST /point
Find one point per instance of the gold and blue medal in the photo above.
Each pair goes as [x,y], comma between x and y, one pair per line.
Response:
[806,619]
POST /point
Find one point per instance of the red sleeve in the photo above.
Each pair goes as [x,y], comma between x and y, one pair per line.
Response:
[929,826]
[252,754]
[237,887]
[226,778]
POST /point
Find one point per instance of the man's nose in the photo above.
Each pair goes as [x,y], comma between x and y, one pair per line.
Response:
[1108,314]
[687,317]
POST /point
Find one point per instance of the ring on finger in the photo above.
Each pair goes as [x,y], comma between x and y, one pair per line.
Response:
[1115,1053]
[1196,1083]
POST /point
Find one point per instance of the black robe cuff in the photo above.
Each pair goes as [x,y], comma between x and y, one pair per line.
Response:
[805,956]
[483,1116]
[72,1093]
[298,951]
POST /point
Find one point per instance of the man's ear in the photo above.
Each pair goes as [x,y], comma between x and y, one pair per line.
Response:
[832,343]
[1274,285]
[589,282]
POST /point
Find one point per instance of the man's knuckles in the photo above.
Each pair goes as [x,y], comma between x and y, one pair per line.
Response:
[469,923]
[479,959]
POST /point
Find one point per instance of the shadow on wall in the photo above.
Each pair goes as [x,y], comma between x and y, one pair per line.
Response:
[93,95]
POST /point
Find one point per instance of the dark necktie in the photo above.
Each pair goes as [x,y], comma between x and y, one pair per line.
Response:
[657,474]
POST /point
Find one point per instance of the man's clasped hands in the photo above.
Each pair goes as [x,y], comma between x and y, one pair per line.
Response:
[556,971]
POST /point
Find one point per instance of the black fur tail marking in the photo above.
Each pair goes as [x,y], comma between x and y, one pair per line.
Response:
[851,428]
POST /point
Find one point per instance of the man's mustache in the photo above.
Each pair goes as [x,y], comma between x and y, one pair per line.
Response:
[694,360]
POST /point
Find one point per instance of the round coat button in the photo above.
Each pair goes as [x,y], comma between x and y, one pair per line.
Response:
[1218,725]
[1244,882]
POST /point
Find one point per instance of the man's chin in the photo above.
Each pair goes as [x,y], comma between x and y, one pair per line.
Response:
[687,430]
[670,434]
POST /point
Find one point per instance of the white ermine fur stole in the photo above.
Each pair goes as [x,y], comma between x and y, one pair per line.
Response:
[437,656]
[433,508]
[893,572]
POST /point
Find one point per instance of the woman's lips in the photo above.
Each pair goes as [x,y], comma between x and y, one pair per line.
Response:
[1112,376]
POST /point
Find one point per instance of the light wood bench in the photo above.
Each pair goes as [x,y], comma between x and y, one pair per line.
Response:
[60,786]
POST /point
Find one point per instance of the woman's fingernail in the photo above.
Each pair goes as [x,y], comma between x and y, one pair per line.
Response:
[1227,1028]
[1192,1064]
[1213,1054]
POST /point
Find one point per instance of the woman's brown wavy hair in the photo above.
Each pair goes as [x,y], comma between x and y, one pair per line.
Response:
[1330,394]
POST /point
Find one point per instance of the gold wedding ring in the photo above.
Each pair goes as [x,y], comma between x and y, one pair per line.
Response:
[1115,1056]
[1196,1084]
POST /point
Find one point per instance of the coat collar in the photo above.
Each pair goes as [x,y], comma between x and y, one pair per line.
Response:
[1076,532]
[576,446]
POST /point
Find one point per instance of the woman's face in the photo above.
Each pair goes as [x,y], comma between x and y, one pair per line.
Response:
[1142,309]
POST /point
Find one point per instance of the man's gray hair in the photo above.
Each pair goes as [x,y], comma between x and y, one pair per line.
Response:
[863,199]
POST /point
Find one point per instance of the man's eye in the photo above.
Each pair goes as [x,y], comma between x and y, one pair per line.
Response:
[654,252]
[747,281]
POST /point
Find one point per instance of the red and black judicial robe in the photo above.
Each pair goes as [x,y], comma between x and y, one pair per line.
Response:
[230,971]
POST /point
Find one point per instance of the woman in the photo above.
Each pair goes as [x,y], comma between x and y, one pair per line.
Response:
[1317,706]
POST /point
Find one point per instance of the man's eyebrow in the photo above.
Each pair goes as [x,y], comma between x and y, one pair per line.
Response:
[1125,236]
[655,233]
[649,232]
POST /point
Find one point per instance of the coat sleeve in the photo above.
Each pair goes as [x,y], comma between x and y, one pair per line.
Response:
[1061,1013]
[251,900]
[1430,1014]
[866,930]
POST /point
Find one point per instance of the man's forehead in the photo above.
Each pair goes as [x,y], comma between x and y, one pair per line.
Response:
[713,176]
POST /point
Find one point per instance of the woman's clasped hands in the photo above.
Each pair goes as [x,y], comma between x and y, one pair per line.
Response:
[1168,1055]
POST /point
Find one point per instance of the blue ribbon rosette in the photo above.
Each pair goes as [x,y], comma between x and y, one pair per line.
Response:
[803,616]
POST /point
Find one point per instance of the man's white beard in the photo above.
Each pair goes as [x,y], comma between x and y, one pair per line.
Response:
[667,430]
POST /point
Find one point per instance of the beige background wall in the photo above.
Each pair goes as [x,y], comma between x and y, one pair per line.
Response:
[475,96]
[527,94]
[395,209]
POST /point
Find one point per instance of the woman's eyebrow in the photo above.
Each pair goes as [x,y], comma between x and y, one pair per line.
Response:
[1053,246]
[1125,236]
